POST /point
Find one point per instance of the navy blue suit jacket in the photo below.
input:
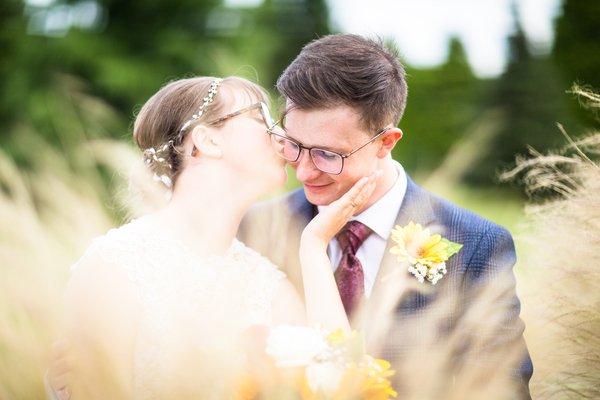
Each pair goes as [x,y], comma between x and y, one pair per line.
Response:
[479,286]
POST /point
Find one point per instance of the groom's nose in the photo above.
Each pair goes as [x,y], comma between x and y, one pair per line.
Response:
[305,168]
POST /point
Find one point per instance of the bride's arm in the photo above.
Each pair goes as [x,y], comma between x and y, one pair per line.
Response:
[101,313]
[288,308]
[323,303]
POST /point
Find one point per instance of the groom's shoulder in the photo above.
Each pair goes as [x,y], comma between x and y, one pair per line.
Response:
[289,210]
[273,228]
[456,218]
[487,246]
[291,203]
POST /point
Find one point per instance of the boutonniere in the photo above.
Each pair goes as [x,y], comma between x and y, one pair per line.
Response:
[426,253]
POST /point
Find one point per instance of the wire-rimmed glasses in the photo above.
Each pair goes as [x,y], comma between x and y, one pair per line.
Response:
[326,161]
[264,111]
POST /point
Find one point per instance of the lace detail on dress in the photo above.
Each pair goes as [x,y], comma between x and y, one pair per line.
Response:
[190,306]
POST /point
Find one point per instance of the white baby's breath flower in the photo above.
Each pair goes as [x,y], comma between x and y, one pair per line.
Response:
[326,376]
[293,346]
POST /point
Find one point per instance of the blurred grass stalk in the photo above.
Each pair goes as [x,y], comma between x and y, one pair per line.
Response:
[561,238]
[48,215]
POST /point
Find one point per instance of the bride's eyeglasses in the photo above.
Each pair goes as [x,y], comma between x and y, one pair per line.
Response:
[264,112]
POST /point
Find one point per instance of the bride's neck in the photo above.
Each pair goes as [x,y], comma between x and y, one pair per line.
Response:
[205,212]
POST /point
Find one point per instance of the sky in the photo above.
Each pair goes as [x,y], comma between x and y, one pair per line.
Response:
[423,28]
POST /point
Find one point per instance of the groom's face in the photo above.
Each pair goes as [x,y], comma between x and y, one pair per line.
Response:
[339,130]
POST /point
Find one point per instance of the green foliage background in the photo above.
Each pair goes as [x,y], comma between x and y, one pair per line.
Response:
[133,47]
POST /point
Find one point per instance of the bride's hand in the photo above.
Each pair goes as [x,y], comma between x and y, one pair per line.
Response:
[326,224]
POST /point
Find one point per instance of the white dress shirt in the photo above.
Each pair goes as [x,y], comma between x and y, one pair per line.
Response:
[380,217]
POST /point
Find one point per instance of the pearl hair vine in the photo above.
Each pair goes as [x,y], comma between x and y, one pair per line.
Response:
[152,155]
[207,100]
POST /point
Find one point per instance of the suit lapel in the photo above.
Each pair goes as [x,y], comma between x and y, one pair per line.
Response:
[393,278]
[299,207]
[416,208]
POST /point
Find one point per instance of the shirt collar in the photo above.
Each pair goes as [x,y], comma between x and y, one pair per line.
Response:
[381,216]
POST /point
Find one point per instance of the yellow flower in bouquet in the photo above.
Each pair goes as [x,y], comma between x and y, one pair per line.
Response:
[246,386]
[376,386]
[301,366]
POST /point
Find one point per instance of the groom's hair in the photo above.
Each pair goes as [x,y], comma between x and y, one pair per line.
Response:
[348,70]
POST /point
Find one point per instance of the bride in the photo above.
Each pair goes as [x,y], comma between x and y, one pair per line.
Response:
[162,305]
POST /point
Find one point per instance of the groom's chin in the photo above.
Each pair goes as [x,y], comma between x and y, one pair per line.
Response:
[318,199]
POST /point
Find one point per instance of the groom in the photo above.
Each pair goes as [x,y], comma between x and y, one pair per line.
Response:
[342,91]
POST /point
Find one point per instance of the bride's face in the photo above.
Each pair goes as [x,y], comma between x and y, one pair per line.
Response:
[247,148]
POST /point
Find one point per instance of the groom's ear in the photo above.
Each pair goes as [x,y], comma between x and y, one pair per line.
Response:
[388,141]
[205,142]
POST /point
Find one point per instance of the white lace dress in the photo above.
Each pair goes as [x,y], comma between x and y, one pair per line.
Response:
[191,308]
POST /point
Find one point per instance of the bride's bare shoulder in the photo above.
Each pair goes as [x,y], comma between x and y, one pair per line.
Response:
[98,288]
[101,293]
[115,256]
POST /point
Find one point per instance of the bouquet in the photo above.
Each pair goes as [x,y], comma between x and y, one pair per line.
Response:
[315,364]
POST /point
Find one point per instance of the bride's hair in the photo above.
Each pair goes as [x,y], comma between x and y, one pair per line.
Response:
[158,126]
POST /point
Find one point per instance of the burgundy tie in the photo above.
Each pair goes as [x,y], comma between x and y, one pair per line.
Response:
[349,274]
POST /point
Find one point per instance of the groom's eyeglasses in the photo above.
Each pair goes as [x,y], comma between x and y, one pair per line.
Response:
[264,112]
[326,161]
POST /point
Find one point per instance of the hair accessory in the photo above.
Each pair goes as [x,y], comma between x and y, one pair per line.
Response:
[167,181]
[164,179]
[207,100]
[151,155]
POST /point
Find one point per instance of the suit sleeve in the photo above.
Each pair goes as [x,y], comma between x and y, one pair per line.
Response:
[491,303]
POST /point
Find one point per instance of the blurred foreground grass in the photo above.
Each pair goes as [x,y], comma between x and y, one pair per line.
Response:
[47,219]
[50,212]
[51,204]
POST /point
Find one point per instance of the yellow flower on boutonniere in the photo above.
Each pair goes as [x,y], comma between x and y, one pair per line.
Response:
[426,253]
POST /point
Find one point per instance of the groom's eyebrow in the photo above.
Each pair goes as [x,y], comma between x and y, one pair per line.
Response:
[322,147]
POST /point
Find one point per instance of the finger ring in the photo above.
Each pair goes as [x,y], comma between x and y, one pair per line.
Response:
[352,203]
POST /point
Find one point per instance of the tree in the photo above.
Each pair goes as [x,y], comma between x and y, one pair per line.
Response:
[124,51]
[577,50]
[442,102]
[532,100]
[270,36]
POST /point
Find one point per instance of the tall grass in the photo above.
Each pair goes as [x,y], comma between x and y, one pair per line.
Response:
[561,241]
[49,213]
